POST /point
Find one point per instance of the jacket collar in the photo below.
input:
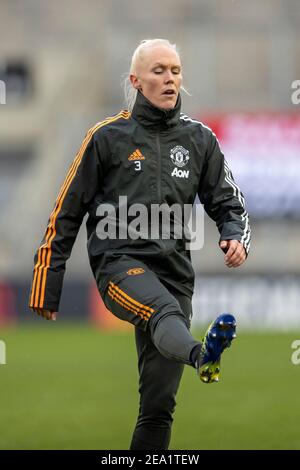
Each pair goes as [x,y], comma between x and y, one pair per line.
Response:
[148,114]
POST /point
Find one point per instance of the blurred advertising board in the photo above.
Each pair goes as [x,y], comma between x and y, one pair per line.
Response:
[258,302]
[263,152]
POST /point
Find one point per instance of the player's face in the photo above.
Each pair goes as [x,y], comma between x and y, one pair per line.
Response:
[158,76]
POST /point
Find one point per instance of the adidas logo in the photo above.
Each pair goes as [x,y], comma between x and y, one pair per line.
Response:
[136,155]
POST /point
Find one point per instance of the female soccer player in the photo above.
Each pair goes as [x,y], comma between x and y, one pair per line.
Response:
[147,157]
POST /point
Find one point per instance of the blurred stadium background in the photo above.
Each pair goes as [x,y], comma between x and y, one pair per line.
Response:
[73,384]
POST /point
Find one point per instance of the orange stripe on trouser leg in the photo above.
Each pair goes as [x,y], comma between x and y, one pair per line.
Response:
[139,309]
[113,296]
[125,302]
[135,309]
[135,302]
[127,308]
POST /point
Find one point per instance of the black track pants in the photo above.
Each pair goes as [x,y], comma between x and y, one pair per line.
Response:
[163,340]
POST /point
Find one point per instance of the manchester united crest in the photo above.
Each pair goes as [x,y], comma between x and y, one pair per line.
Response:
[179,156]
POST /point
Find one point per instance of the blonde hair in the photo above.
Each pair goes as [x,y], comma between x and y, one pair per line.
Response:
[129,91]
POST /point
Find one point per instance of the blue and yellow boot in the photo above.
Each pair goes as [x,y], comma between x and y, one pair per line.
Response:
[217,338]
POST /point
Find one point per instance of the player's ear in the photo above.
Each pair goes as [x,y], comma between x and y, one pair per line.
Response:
[135,82]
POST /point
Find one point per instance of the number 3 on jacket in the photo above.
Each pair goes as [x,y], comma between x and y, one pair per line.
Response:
[137,165]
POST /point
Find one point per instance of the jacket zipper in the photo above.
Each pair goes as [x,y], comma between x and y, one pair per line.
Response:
[158,168]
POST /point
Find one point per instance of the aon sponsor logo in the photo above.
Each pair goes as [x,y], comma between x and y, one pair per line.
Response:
[180,173]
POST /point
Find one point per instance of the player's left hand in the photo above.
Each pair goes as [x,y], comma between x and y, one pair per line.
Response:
[48,314]
[235,253]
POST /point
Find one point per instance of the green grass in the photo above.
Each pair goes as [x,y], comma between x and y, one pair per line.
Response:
[74,387]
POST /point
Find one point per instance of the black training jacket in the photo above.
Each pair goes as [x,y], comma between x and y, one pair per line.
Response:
[151,156]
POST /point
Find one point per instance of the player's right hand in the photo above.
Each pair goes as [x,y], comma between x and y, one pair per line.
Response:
[48,314]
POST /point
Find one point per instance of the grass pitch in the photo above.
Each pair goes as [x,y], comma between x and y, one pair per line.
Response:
[75,387]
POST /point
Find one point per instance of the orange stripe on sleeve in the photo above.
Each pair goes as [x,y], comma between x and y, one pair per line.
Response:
[44,252]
